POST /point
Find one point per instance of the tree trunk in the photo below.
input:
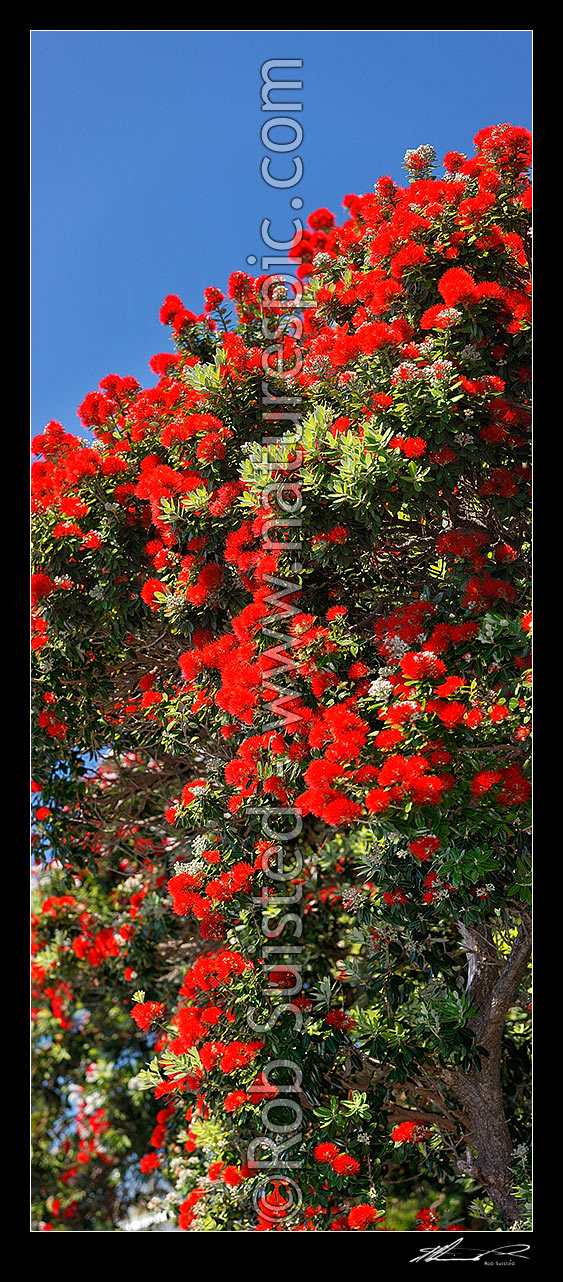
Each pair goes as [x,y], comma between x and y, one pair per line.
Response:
[492,984]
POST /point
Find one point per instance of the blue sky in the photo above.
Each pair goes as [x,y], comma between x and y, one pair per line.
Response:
[145,166]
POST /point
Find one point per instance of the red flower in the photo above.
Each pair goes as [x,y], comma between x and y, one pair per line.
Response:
[339,1019]
[342,1164]
[361,1216]
[150,1162]
[41,587]
[410,1133]
[484,781]
[144,1013]
[423,847]
[149,590]
[325,1152]
[457,286]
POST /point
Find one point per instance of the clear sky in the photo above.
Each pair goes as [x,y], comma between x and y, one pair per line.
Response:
[145,161]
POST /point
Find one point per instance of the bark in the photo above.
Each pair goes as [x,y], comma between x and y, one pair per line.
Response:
[492,984]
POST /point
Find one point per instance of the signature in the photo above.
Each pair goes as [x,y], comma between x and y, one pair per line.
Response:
[454,1251]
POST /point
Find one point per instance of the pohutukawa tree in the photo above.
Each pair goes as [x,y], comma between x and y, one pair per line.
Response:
[281,649]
